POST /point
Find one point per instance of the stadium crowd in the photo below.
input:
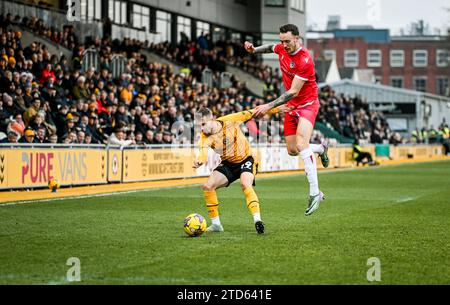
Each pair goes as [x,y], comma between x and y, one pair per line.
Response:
[46,99]
[216,55]
[42,95]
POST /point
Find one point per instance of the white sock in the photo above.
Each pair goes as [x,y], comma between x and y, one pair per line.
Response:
[311,170]
[216,221]
[256,217]
[317,148]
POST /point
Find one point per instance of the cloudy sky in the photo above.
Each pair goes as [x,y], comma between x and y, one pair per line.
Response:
[392,14]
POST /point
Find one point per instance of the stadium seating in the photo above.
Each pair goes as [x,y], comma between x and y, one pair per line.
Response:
[72,104]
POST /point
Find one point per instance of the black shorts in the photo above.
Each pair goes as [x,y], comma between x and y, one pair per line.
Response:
[233,171]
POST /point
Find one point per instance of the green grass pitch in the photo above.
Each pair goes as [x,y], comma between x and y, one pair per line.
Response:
[399,214]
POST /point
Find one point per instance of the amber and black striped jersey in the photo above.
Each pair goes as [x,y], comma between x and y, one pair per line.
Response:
[230,143]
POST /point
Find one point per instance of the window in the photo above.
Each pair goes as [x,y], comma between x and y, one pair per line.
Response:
[163,21]
[236,37]
[98,10]
[374,58]
[218,34]
[420,58]
[397,81]
[203,27]
[351,58]
[117,11]
[298,5]
[397,58]
[442,87]
[420,83]
[184,28]
[329,54]
[275,3]
[141,17]
[91,10]
[442,58]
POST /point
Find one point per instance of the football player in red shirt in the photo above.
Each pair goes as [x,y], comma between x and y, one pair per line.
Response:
[301,99]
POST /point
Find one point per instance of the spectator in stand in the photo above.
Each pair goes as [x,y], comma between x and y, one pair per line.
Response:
[126,95]
[149,137]
[31,111]
[41,135]
[167,137]
[47,74]
[158,139]
[93,129]
[106,119]
[139,139]
[118,138]
[29,137]
[53,139]
[37,121]
[80,91]
[12,138]
[81,137]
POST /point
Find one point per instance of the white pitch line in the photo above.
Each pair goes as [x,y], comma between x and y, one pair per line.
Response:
[406,199]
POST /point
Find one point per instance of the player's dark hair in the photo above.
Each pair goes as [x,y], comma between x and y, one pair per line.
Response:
[205,112]
[290,28]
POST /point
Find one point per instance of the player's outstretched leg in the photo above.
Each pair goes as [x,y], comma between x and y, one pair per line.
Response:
[304,131]
[212,204]
[215,181]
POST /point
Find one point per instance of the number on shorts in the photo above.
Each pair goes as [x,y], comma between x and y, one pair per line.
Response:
[247,165]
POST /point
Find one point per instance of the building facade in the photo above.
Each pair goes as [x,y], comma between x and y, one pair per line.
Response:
[161,20]
[405,110]
[411,62]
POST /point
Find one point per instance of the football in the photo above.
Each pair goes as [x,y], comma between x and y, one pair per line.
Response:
[53,184]
[194,225]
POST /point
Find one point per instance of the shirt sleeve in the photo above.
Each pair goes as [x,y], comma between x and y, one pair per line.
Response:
[277,48]
[240,117]
[305,69]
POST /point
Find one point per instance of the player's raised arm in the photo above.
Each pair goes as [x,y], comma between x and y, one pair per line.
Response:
[241,117]
[262,49]
[297,85]
[247,115]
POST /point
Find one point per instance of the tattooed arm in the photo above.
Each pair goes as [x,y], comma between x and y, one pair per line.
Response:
[297,85]
[283,99]
[268,48]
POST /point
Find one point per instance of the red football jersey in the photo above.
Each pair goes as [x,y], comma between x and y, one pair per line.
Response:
[300,65]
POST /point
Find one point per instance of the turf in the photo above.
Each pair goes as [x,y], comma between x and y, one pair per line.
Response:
[399,214]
